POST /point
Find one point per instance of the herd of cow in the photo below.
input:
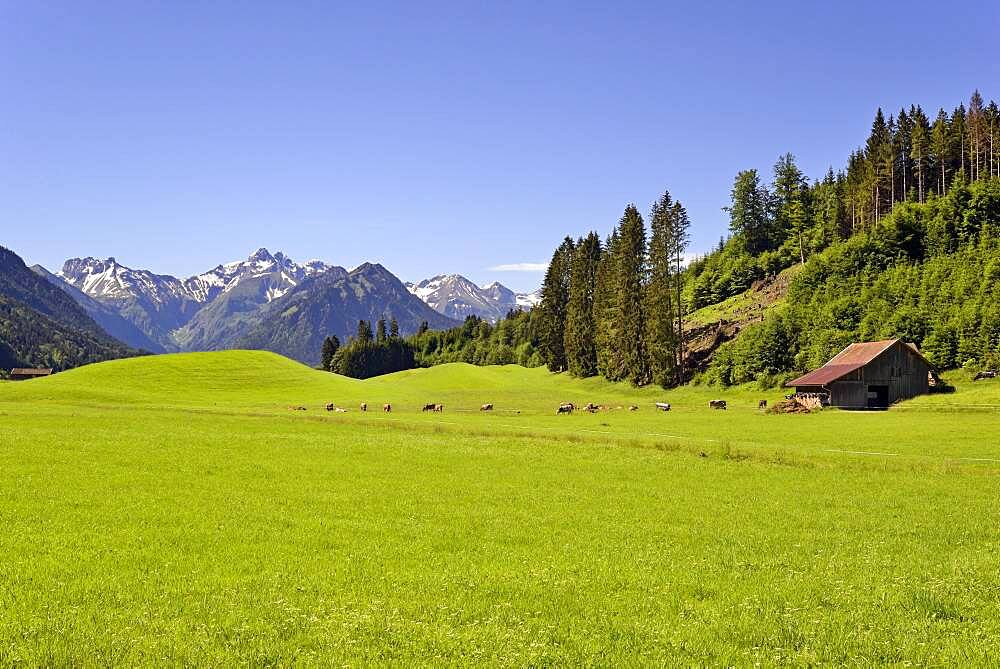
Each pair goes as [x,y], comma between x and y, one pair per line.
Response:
[565,407]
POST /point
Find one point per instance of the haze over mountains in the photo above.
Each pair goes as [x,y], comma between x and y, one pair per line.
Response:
[266,301]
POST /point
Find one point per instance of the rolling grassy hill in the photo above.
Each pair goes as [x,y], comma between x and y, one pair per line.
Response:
[172,509]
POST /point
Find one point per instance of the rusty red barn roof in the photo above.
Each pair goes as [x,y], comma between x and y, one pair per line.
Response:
[851,358]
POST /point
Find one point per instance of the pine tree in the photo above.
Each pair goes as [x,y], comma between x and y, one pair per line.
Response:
[380,332]
[976,124]
[552,308]
[364,331]
[629,285]
[579,337]
[680,237]
[919,141]
[330,346]
[606,338]
[901,151]
[661,320]
[748,215]
[941,149]
[879,155]
[393,328]
[790,214]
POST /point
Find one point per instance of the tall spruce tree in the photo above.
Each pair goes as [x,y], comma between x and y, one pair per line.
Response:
[919,143]
[629,285]
[330,346]
[579,337]
[609,363]
[552,308]
[680,237]
[941,150]
[661,320]
[748,212]
[364,331]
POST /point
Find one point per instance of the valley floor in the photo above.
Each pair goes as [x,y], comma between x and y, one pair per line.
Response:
[179,509]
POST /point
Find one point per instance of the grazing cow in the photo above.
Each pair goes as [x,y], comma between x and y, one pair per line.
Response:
[438,407]
[762,404]
[565,408]
[663,406]
[428,407]
[364,406]
[387,408]
[633,407]
[486,407]
[717,404]
[591,407]
[340,410]
[330,407]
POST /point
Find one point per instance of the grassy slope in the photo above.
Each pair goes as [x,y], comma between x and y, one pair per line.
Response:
[173,509]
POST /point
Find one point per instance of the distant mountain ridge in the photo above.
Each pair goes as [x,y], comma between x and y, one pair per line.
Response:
[457,297]
[266,301]
[296,325]
[203,312]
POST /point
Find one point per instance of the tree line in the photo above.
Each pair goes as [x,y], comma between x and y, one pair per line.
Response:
[615,308]
[906,158]
[370,353]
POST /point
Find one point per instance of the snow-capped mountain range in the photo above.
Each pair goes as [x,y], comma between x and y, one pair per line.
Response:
[455,296]
[110,280]
[217,308]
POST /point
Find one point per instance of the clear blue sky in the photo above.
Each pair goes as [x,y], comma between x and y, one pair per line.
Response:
[430,137]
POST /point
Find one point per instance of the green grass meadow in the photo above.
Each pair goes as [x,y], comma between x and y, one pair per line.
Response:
[175,510]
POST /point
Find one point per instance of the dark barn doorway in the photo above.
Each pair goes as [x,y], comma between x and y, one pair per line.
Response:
[878,397]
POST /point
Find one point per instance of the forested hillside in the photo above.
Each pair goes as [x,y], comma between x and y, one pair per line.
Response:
[928,273]
[41,326]
[900,243]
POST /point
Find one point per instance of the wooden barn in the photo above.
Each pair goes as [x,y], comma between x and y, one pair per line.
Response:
[869,375]
[25,373]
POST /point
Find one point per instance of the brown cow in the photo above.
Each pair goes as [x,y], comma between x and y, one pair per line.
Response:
[762,404]
[429,407]
[565,408]
[717,404]
[591,407]
[364,406]
[486,407]
[387,408]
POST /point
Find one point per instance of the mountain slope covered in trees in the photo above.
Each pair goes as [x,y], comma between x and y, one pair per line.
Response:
[42,326]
